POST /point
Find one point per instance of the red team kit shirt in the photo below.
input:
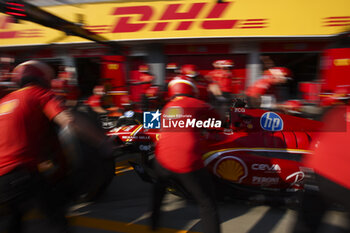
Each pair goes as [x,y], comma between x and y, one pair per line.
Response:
[181,150]
[94,101]
[146,78]
[260,87]
[223,78]
[331,151]
[24,119]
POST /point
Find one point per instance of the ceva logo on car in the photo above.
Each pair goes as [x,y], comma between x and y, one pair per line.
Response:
[271,121]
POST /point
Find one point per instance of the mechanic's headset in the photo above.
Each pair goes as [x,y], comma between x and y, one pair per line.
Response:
[182,86]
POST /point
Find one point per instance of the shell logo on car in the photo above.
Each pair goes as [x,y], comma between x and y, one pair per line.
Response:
[231,168]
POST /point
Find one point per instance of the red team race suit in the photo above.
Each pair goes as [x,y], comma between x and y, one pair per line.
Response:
[267,85]
[28,143]
[24,121]
[179,158]
[330,164]
[189,141]
[94,101]
[259,88]
[223,78]
[146,79]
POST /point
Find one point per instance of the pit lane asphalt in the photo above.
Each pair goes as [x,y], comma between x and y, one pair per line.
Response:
[124,208]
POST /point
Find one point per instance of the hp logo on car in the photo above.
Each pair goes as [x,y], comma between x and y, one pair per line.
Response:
[271,121]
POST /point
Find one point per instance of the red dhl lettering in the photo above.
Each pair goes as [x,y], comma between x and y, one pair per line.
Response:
[171,13]
[7,33]
[215,13]
[123,24]
[134,19]
[5,24]
[336,21]
[5,21]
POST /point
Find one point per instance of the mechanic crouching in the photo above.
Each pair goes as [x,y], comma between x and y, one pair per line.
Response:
[178,154]
[26,117]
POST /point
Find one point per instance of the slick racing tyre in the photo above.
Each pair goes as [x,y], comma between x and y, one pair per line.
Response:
[89,174]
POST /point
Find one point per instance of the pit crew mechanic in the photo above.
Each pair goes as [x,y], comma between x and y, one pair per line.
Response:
[172,70]
[178,155]
[328,170]
[202,84]
[95,101]
[25,117]
[267,85]
[145,78]
[222,76]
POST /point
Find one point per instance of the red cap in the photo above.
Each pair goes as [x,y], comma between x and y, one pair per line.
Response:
[279,71]
[223,63]
[182,85]
[99,90]
[152,91]
[189,70]
[172,66]
[278,74]
[144,68]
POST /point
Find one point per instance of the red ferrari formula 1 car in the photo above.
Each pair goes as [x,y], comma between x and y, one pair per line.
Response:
[259,152]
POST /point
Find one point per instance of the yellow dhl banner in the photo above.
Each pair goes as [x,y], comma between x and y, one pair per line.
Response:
[141,20]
